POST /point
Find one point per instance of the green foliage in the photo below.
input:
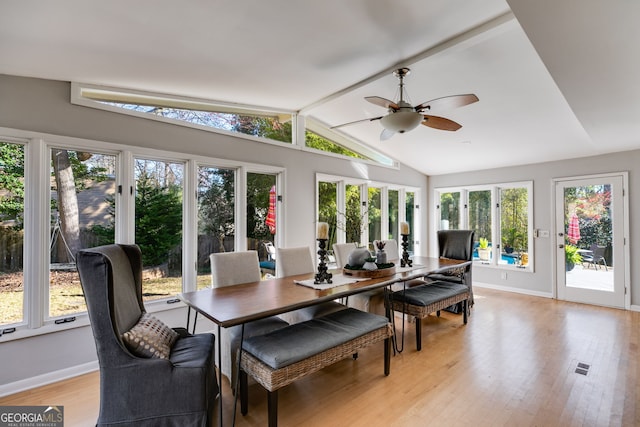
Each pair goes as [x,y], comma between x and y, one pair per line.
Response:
[483,243]
[449,209]
[258,187]
[318,142]
[328,209]
[216,203]
[12,183]
[514,218]
[592,205]
[158,219]
[571,255]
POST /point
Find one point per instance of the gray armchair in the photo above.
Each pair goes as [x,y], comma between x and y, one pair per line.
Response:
[179,390]
[456,244]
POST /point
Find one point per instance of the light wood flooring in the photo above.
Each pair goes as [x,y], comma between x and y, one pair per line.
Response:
[513,364]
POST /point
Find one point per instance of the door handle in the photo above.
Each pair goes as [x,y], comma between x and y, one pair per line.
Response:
[560,246]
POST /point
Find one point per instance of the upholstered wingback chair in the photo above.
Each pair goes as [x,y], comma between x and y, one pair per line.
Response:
[456,244]
[177,389]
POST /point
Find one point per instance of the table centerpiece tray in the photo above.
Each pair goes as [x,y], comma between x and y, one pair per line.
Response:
[383,270]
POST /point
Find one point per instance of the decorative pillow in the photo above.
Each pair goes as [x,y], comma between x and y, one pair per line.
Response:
[150,338]
[456,271]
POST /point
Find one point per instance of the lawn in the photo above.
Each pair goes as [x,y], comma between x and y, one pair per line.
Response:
[66,297]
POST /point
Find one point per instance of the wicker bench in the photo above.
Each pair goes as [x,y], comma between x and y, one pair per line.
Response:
[422,300]
[280,357]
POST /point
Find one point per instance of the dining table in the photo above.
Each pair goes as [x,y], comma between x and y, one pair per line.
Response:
[239,304]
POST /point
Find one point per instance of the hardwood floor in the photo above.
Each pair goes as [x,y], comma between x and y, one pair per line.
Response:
[513,364]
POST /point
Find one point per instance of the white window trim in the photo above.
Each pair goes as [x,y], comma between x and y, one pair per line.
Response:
[364,184]
[37,225]
[495,218]
[84,94]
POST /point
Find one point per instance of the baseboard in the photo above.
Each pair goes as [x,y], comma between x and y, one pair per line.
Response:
[634,307]
[48,378]
[514,290]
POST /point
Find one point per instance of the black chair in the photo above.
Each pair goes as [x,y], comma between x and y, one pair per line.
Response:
[456,244]
[596,257]
[179,388]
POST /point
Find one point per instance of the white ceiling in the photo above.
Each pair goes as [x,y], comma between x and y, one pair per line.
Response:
[556,79]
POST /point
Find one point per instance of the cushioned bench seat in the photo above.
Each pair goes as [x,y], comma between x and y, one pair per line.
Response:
[278,358]
[422,300]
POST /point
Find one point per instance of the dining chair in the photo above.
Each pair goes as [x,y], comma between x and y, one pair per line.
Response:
[293,262]
[373,301]
[150,374]
[390,247]
[456,244]
[229,269]
[341,251]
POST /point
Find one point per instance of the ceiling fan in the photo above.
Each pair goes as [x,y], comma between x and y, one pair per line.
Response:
[403,117]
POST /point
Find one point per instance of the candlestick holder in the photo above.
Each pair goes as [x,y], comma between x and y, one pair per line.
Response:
[322,276]
[405,261]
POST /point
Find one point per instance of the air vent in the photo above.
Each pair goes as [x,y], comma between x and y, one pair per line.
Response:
[582,369]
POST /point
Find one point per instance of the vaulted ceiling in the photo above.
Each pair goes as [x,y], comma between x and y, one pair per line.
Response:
[556,79]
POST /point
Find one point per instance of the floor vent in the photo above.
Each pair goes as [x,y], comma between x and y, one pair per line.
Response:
[582,369]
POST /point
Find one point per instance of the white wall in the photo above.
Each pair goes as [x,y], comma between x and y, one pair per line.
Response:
[541,281]
[43,106]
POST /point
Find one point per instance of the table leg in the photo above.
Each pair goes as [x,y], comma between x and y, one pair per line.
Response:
[235,380]
[219,375]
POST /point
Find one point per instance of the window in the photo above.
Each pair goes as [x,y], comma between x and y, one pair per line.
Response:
[261,210]
[12,161]
[499,213]
[479,208]
[82,216]
[410,208]
[275,126]
[376,217]
[450,211]
[216,217]
[328,208]
[158,225]
[394,224]
[514,224]
[94,193]
[374,207]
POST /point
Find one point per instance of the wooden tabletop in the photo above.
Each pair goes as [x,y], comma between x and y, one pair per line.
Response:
[234,305]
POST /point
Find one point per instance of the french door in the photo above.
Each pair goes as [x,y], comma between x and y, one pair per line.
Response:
[590,240]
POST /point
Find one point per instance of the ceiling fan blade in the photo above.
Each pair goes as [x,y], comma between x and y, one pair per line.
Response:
[448,102]
[440,123]
[382,102]
[386,134]
[357,121]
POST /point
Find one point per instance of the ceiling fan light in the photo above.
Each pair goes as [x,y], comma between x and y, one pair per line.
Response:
[402,121]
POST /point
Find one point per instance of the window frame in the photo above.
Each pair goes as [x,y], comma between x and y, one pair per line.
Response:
[87,95]
[37,224]
[384,187]
[496,235]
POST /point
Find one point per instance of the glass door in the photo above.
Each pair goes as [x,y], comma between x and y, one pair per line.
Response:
[590,241]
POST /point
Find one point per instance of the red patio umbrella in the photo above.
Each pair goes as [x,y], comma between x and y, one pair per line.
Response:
[573,233]
[271,214]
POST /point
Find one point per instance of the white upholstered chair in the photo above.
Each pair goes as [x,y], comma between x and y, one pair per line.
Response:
[390,247]
[341,251]
[233,268]
[295,261]
[373,301]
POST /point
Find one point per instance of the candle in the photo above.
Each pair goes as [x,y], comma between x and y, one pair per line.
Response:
[323,230]
[404,228]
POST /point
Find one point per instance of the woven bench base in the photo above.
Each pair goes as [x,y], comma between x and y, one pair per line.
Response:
[273,379]
[422,311]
